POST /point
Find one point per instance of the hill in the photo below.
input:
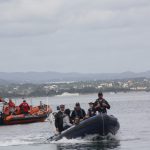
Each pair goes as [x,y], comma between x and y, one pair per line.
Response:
[44,77]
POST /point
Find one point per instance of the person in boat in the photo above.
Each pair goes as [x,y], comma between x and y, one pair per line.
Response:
[91,111]
[66,120]
[2,100]
[6,111]
[24,107]
[12,106]
[59,118]
[41,105]
[78,114]
[101,105]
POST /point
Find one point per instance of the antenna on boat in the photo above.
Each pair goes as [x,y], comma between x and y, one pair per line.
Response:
[47,97]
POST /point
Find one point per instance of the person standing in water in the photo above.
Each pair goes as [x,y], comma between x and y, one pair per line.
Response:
[59,118]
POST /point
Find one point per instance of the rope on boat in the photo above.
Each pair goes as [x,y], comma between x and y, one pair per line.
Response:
[103,123]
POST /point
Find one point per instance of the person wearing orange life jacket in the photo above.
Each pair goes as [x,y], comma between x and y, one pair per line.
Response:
[1,99]
[24,107]
[11,106]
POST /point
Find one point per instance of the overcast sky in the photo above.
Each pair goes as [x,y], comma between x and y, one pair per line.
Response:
[87,36]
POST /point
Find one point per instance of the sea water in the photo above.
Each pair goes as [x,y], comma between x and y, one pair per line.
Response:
[131,109]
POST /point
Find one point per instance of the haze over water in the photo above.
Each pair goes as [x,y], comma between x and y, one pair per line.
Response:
[131,109]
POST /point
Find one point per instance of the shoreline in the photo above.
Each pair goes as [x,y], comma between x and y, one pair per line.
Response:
[74,94]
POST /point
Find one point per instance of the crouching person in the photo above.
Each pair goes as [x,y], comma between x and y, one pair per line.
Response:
[78,114]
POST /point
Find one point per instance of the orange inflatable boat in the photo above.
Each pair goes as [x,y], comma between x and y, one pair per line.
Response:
[36,114]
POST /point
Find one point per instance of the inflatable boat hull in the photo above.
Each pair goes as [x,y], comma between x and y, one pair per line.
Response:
[101,124]
[26,119]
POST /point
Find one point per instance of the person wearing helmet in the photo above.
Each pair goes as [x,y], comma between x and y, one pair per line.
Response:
[101,105]
[78,113]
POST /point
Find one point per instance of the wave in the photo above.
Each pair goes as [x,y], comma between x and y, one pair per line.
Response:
[41,139]
[14,142]
[68,94]
[22,140]
[86,139]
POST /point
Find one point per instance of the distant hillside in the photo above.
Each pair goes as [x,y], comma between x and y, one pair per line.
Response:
[4,82]
[43,77]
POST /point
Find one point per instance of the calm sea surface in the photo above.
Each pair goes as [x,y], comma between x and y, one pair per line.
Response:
[131,109]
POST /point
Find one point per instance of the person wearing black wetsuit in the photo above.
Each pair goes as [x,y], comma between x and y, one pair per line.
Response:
[101,105]
[78,112]
[59,119]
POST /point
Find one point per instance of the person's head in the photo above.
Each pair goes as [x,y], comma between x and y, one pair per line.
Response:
[10,100]
[67,112]
[100,95]
[58,107]
[77,120]
[90,104]
[24,101]
[62,107]
[77,106]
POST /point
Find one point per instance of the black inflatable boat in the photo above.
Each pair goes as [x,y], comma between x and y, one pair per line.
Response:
[101,124]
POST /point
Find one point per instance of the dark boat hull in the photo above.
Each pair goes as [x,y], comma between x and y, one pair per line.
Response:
[101,124]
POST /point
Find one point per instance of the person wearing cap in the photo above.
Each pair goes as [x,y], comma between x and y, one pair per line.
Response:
[101,105]
[59,118]
[91,111]
[24,107]
[78,112]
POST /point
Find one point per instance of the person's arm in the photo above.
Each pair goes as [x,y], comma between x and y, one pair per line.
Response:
[20,105]
[106,104]
[68,121]
[97,104]
[72,116]
[28,107]
[56,121]
[88,113]
[84,114]
[14,105]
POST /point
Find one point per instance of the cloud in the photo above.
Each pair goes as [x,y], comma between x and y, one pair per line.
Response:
[28,17]
[76,35]
[36,17]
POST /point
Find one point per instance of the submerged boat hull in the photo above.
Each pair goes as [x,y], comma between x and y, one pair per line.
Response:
[101,124]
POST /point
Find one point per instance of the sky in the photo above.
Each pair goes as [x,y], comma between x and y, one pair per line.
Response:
[100,36]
